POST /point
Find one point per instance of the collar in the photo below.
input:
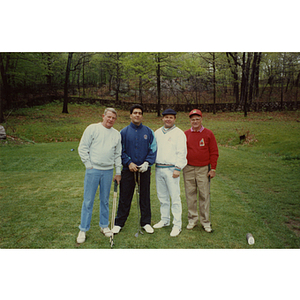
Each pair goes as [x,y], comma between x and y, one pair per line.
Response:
[165,130]
[135,126]
[200,130]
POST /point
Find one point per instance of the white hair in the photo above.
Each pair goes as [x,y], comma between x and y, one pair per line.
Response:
[111,110]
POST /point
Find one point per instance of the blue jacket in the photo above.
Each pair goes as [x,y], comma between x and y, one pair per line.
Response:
[138,145]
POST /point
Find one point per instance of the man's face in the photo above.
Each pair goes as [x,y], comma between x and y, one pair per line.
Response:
[196,122]
[109,119]
[136,116]
[169,120]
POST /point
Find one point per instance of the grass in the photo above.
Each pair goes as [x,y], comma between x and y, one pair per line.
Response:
[256,188]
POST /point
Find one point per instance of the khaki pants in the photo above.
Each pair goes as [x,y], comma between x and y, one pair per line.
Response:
[196,177]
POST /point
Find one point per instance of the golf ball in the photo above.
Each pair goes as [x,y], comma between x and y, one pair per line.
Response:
[250,238]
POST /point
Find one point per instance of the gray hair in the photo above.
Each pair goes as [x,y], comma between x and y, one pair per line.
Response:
[111,110]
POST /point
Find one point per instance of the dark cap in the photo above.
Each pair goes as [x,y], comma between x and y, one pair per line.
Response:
[169,111]
[195,112]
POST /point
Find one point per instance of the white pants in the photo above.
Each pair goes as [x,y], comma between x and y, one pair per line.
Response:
[167,187]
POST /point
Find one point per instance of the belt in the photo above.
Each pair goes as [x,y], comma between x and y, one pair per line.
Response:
[164,165]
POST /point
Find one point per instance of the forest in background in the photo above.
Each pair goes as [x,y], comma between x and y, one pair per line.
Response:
[157,78]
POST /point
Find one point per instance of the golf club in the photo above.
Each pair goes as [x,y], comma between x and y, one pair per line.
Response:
[137,192]
[113,213]
[209,179]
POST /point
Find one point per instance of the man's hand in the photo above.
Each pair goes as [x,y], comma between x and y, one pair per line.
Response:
[176,174]
[211,174]
[133,167]
[143,167]
[117,178]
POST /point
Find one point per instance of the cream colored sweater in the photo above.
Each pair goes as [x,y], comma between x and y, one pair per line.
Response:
[100,148]
[171,147]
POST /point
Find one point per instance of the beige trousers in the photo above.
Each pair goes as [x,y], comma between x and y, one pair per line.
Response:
[196,178]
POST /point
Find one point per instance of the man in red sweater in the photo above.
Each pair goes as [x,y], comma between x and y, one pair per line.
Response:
[202,156]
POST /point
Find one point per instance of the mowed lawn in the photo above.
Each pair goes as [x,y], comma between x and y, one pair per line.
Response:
[256,188]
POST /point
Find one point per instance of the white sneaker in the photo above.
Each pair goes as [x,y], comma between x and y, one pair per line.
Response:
[207,229]
[148,228]
[175,231]
[81,237]
[191,225]
[106,231]
[160,224]
[116,229]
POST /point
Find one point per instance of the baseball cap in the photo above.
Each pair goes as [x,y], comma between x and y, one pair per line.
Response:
[169,111]
[195,112]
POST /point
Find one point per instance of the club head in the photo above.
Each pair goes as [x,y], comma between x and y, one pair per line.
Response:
[136,235]
[111,242]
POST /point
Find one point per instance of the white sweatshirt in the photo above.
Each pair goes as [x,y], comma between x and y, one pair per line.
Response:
[171,147]
[100,148]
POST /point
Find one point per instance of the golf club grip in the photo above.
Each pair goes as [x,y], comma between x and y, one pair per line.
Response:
[116,186]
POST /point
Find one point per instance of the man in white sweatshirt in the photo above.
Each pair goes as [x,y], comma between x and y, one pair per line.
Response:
[170,160]
[100,150]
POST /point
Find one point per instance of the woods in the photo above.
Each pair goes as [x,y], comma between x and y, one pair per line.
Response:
[158,78]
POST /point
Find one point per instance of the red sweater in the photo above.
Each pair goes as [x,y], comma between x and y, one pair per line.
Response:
[202,148]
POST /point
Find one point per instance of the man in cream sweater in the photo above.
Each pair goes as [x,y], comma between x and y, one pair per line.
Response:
[170,160]
[100,150]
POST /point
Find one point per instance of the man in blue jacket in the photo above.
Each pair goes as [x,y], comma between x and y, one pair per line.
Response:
[138,154]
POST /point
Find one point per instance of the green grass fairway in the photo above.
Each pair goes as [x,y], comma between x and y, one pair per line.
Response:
[256,188]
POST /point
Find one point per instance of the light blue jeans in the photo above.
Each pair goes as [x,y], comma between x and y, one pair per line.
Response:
[93,179]
[167,187]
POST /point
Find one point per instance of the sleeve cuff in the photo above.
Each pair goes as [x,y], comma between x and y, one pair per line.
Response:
[88,165]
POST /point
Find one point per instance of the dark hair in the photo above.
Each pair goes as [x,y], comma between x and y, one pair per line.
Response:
[136,106]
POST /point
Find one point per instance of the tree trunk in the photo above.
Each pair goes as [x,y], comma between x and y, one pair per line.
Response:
[234,71]
[271,90]
[214,80]
[110,82]
[246,108]
[281,93]
[1,108]
[83,86]
[118,79]
[49,76]
[245,81]
[6,91]
[256,81]
[282,81]
[252,79]
[140,90]
[297,88]
[158,74]
[78,81]
[196,89]
[66,86]
[1,94]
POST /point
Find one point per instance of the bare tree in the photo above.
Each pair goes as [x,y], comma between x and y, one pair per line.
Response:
[245,80]
[66,86]
[158,74]
[234,71]
[214,80]
[254,76]
[5,89]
